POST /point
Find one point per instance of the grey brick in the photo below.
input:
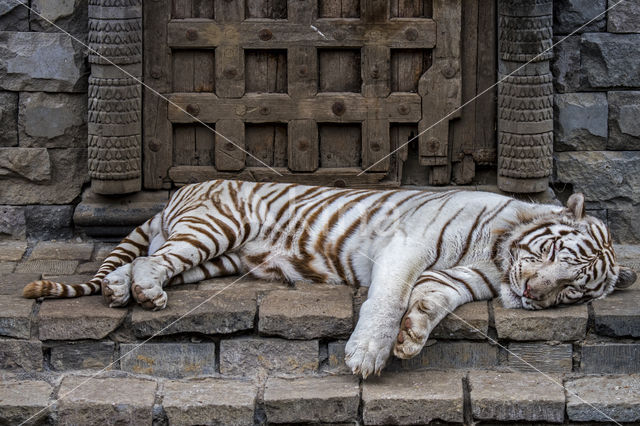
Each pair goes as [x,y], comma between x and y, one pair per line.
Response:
[516,397]
[209,401]
[540,357]
[106,400]
[618,314]
[24,355]
[74,319]
[14,283]
[602,399]
[565,323]
[12,250]
[315,399]
[624,125]
[256,356]
[580,121]
[624,17]
[469,321]
[605,358]
[607,59]
[225,312]
[307,313]
[15,316]
[174,360]
[51,267]
[13,223]
[413,398]
[450,354]
[19,400]
[62,250]
[78,356]
[570,15]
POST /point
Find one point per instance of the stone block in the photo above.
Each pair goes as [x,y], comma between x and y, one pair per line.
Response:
[12,250]
[66,175]
[80,356]
[565,65]
[610,358]
[328,399]
[174,360]
[108,401]
[209,401]
[23,355]
[624,120]
[74,319]
[13,223]
[49,222]
[624,221]
[580,121]
[335,357]
[450,354]
[198,312]
[607,59]
[6,268]
[13,16]
[14,283]
[618,173]
[413,398]
[41,62]
[469,321]
[536,357]
[252,356]
[618,315]
[49,267]
[307,313]
[570,15]
[63,250]
[103,251]
[19,400]
[15,316]
[560,323]
[516,397]
[71,16]
[31,164]
[8,110]
[624,17]
[52,120]
[603,399]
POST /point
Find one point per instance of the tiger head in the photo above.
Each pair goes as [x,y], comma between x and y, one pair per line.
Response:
[562,258]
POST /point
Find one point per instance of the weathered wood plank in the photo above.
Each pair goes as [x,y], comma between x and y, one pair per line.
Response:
[204,71]
[205,146]
[229,71]
[202,9]
[338,34]
[264,108]
[181,9]
[267,142]
[266,71]
[375,11]
[184,145]
[303,145]
[376,71]
[339,70]
[340,177]
[269,9]
[411,8]
[340,145]
[302,71]
[229,11]
[229,150]
[183,68]
[338,8]
[407,66]
[376,146]
[157,144]
[301,12]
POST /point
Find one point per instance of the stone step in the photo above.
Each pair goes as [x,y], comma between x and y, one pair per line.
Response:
[418,397]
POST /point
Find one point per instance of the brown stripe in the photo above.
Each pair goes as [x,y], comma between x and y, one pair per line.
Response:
[494,293]
[463,282]
[467,242]
[441,237]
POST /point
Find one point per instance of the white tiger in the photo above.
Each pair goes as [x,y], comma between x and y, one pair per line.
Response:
[422,253]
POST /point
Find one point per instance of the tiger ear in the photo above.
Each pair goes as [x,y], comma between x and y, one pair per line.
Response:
[626,278]
[575,204]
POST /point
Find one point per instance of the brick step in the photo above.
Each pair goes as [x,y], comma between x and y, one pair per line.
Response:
[418,397]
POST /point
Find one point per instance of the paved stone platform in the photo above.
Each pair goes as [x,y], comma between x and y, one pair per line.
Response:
[266,352]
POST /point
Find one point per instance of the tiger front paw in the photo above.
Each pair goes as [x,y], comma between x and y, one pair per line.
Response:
[116,287]
[367,354]
[414,332]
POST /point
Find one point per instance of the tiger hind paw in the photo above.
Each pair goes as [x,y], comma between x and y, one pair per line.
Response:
[116,287]
[413,334]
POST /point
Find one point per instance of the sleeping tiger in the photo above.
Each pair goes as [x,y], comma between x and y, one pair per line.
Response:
[422,254]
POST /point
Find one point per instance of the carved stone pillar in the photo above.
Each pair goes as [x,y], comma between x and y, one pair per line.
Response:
[525,99]
[115,99]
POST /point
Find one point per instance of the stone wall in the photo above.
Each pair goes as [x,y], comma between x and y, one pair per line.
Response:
[597,109]
[43,116]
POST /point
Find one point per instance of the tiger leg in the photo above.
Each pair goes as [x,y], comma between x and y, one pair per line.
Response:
[221,266]
[113,267]
[434,296]
[185,248]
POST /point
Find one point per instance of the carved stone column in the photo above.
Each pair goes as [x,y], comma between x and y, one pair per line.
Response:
[525,99]
[115,99]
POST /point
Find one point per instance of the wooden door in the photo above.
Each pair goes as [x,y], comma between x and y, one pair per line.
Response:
[320,91]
